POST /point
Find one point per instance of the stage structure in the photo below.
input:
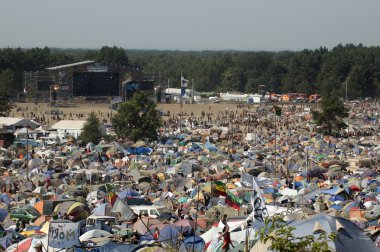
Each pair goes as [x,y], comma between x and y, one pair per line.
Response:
[144,84]
[86,80]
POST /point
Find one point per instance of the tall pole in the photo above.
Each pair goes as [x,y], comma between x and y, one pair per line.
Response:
[348,120]
[196,214]
[192,91]
[27,152]
[275,142]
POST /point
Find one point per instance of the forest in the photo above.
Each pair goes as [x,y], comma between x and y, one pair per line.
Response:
[323,71]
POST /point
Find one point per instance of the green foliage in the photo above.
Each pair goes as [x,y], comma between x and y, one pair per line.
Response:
[6,79]
[331,116]
[309,71]
[137,118]
[112,55]
[281,238]
[91,130]
[5,105]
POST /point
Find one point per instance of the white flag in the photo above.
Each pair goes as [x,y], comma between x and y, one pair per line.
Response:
[246,179]
[184,82]
[258,202]
[63,235]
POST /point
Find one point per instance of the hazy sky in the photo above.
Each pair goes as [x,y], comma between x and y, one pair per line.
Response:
[189,25]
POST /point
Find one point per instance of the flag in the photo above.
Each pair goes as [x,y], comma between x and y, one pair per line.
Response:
[112,198]
[220,188]
[233,201]
[277,110]
[246,179]
[184,82]
[258,203]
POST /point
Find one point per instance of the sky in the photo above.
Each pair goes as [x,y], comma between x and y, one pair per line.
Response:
[189,24]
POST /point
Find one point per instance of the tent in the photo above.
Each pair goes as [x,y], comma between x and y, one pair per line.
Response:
[44,207]
[193,242]
[349,237]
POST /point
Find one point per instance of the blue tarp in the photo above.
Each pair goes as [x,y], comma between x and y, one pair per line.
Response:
[128,192]
[140,150]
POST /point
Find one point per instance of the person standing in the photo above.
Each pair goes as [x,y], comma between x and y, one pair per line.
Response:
[226,235]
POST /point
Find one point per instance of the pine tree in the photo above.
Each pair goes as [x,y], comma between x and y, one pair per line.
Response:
[331,117]
[91,130]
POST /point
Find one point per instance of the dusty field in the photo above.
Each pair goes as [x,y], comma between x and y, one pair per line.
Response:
[104,112]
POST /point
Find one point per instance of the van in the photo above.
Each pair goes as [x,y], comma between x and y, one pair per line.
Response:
[152,211]
[98,222]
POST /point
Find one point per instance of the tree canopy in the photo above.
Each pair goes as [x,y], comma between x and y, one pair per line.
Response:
[308,71]
[91,130]
[331,117]
[137,118]
[5,105]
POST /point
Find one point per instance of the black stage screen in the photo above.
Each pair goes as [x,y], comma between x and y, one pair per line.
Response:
[44,85]
[96,84]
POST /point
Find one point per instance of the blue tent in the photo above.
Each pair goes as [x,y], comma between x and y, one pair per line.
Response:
[118,247]
[169,235]
[197,242]
[210,146]
[3,214]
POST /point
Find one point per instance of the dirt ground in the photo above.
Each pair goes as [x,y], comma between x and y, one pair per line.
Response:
[104,112]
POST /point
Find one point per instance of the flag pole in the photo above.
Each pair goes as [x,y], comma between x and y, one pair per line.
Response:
[275,142]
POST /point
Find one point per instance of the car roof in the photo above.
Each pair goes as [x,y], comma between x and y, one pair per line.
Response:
[100,217]
[146,207]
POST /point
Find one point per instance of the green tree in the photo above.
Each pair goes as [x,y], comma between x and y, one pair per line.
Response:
[6,79]
[5,104]
[113,55]
[137,118]
[282,239]
[331,117]
[91,130]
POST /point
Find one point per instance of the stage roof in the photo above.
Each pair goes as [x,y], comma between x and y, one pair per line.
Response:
[71,65]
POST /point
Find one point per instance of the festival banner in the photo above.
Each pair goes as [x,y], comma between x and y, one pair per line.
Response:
[63,235]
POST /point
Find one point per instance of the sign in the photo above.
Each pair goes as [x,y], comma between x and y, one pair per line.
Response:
[97,68]
[63,235]
[65,87]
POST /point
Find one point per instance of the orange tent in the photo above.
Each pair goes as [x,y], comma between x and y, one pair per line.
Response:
[44,207]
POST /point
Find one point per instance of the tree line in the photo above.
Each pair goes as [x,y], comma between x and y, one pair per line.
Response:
[322,71]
